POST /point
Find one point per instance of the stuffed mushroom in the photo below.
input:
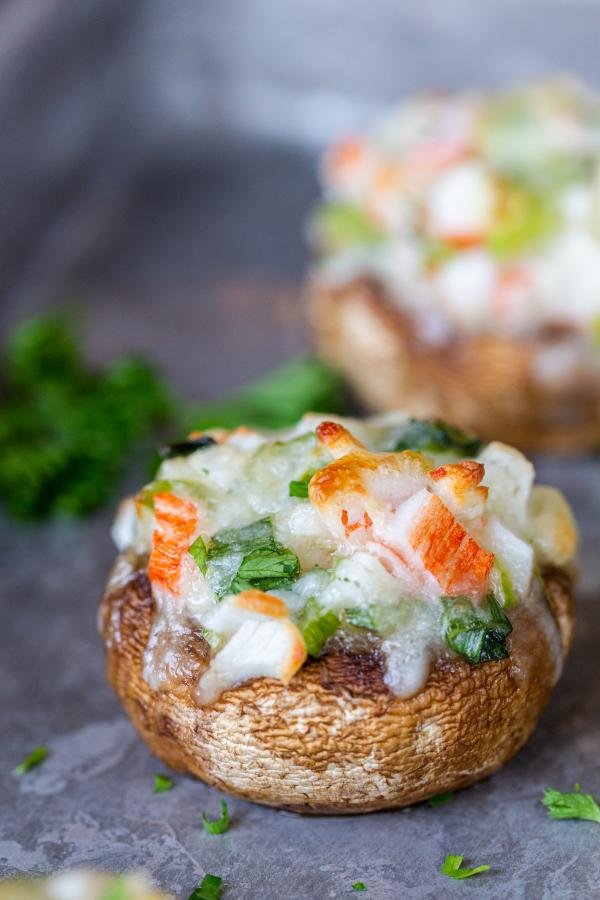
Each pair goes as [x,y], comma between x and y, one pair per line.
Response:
[458,263]
[348,616]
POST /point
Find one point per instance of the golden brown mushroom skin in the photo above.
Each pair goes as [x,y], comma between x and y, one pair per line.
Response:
[335,740]
[485,382]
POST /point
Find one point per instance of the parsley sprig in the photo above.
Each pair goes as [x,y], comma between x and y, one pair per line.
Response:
[453,868]
[575,805]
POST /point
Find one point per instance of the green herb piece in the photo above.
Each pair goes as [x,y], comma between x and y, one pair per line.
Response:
[361,617]
[217,826]
[242,558]
[162,783]
[256,536]
[35,758]
[199,554]
[435,436]
[359,886]
[187,447]
[266,569]
[440,799]
[66,431]
[317,626]
[511,598]
[277,400]
[299,489]
[118,889]
[341,225]
[210,888]
[571,806]
[452,867]
[478,636]
[523,219]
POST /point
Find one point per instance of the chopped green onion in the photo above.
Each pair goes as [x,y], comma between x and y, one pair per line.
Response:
[317,626]
[35,758]
[299,489]
[162,783]
[440,799]
[217,826]
[199,554]
[257,535]
[478,636]
[452,867]
[340,225]
[359,886]
[118,889]
[210,888]
[360,617]
[575,805]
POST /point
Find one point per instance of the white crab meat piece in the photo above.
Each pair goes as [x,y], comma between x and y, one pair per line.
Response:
[253,605]
[273,648]
[513,553]
[460,203]
[509,477]
[551,526]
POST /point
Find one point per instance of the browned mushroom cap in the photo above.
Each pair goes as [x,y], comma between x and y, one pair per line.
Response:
[486,382]
[335,740]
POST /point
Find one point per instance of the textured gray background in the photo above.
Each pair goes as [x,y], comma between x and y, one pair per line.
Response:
[156,166]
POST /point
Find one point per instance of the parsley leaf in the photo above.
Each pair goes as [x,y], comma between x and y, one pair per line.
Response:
[210,888]
[242,558]
[436,436]
[571,806]
[359,886]
[317,626]
[478,636]
[35,758]
[162,783]
[278,399]
[217,826]
[452,868]
[266,569]
[440,799]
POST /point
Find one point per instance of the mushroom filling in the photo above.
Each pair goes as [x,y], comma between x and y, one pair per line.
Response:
[482,211]
[408,534]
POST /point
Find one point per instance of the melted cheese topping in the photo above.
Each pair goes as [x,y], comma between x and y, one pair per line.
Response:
[270,544]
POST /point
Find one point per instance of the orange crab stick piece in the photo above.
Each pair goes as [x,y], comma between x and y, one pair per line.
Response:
[455,560]
[176,521]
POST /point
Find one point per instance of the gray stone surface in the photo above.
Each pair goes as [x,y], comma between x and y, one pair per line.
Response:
[116,191]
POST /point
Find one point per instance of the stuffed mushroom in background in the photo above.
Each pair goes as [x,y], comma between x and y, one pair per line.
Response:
[348,616]
[458,263]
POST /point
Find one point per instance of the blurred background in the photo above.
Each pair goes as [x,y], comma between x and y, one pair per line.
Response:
[157,159]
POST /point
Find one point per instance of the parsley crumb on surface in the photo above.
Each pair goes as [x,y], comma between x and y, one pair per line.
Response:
[575,805]
[210,888]
[162,783]
[359,886]
[35,758]
[452,867]
[217,826]
[440,799]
